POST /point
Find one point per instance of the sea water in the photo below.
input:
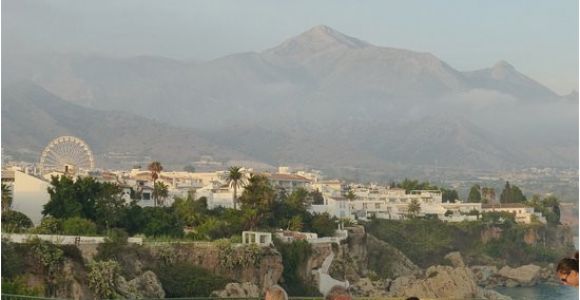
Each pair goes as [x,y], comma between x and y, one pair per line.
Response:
[541,292]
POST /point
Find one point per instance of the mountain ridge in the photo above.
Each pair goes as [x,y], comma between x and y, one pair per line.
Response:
[348,95]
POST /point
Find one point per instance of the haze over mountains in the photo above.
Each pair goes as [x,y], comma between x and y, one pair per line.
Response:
[321,98]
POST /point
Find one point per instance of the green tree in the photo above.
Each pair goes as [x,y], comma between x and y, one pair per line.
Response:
[474,194]
[160,193]
[235,179]
[410,185]
[109,206]
[551,210]
[317,197]
[296,223]
[161,221]
[133,218]
[155,168]
[512,194]
[63,201]
[257,199]
[6,197]
[323,224]
[191,212]
[350,195]
[15,221]
[298,201]
[49,225]
[414,208]
[79,226]
[78,198]
[449,195]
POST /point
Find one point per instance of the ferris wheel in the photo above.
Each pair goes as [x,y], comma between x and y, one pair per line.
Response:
[68,155]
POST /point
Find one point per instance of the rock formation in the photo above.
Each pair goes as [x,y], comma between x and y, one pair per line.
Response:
[238,290]
[145,286]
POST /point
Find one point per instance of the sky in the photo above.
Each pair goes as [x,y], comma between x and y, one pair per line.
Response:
[539,38]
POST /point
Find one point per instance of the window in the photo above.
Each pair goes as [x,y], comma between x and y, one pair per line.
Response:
[146,196]
[364,206]
[377,205]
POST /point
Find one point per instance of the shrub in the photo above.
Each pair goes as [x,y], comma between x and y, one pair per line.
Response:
[19,286]
[49,225]
[102,277]
[12,260]
[294,257]
[186,280]
[79,226]
[15,221]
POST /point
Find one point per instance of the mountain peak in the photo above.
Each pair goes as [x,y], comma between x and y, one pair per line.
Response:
[503,65]
[503,70]
[317,39]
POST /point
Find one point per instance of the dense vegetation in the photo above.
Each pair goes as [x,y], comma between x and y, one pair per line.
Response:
[294,257]
[87,207]
[495,239]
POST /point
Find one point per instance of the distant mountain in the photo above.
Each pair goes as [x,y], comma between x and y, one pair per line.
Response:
[325,98]
[505,78]
[32,117]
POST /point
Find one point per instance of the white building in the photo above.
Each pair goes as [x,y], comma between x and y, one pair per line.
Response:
[335,206]
[523,214]
[218,194]
[287,182]
[29,194]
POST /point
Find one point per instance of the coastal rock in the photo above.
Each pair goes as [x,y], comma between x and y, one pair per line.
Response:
[485,275]
[455,259]
[442,282]
[145,286]
[493,295]
[387,261]
[238,290]
[367,288]
[526,275]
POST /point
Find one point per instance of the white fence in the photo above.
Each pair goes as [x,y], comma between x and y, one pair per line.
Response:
[63,239]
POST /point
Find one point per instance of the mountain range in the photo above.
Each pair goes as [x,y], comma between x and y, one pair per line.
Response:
[321,98]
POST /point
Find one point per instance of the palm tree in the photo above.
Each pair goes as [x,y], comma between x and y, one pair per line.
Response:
[235,179]
[6,197]
[414,208]
[160,191]
[155,168]
[350,196]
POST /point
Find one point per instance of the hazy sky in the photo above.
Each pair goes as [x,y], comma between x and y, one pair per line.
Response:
[540,38]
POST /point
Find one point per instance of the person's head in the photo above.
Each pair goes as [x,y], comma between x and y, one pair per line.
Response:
[412,298]
[276,292]
[338,292]
[568,270]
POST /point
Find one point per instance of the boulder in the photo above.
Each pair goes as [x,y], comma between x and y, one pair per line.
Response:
[144,286]
[527,275]
[485,275]
[367,288]
[455,259]
[442,282]
[387,261]
[238,290]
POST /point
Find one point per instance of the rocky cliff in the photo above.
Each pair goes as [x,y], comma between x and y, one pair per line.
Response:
[241,263]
